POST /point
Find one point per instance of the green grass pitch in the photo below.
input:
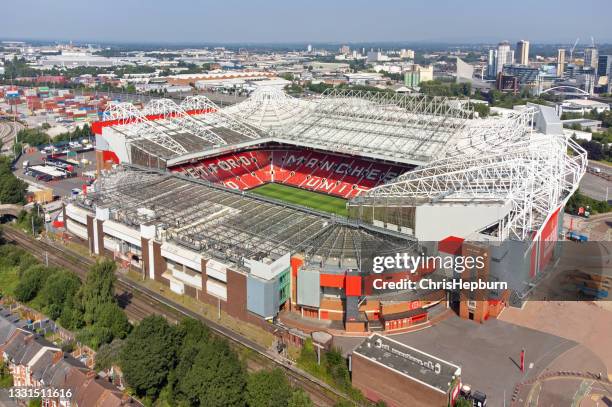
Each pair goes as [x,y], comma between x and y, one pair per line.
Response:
[302,197]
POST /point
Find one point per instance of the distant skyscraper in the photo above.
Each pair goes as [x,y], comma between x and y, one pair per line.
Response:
[491,63]
[309,48]
[590,57]
[345,49]
[560,62]
[604,65]
[504,56]
[522,49]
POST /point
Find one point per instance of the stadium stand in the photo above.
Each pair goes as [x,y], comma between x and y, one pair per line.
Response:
[315,171]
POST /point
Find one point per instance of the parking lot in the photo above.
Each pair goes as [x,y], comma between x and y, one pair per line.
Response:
[61,187]
[488,353]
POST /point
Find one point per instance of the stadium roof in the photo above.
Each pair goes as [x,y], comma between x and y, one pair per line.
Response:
[535,173]
[401,128]
[461,159]
[269,108]
[166,129]
[233,225]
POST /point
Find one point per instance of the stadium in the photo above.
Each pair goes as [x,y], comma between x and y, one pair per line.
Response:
[272,208]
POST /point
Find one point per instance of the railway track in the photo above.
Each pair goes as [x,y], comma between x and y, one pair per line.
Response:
[140,302]
[8,130]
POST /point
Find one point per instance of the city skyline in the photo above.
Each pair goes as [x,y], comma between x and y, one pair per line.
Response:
[264,23]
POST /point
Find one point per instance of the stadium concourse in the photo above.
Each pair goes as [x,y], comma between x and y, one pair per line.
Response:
[174,199]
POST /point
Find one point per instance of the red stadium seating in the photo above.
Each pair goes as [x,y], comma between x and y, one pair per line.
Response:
[328,173]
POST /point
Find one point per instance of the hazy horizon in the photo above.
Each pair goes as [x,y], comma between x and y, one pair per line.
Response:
[275,22]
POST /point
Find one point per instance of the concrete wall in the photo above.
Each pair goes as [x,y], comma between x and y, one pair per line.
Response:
[262,296]
[308,288]
[435,222]
[380,383]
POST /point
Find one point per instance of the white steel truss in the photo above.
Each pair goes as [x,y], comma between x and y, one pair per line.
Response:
[270,109]
[535,175]
[416,128]
[216,117]
[136,126]
[483,135]
[173,113]
[176,127]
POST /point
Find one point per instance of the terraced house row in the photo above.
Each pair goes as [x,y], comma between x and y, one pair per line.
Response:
[36,363]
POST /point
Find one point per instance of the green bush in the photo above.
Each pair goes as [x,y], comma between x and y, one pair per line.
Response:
[30,283]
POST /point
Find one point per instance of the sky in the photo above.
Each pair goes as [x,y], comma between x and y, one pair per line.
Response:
[307,21]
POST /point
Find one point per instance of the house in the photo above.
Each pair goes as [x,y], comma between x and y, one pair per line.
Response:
[35,362]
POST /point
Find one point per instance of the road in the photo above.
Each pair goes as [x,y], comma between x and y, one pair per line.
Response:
[5,401]
[140,302]
[596,187]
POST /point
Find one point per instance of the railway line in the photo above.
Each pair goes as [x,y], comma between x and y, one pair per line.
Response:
[8,130]
[140,302]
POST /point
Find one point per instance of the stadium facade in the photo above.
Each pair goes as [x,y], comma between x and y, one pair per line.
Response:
[173,199]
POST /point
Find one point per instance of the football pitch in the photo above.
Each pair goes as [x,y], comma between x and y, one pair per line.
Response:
[302,197]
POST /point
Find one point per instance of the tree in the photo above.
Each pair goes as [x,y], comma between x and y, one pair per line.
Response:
[288,76]
[59,293]
[300,399]
[482,109]
[337,368]
[148,355]
[6,378]
[112,317]
[268,388]
[98,289]
[12,190]
[191,335]
[30,283]
[95,335]
[216,378]
[108,354]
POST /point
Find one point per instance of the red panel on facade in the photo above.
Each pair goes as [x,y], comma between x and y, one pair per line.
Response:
[332,280]
[533,268]
[108,155]
[451,245]
[296,263]
[548,239]
[353,286]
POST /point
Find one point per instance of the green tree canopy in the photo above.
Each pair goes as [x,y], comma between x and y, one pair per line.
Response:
[12,189]
[59,293]
[98,289]
[108,354]
[216,378]
[268,388]
[148,355]
[110,316]
[30,283]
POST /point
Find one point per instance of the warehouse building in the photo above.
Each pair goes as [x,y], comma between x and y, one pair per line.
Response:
[387,370]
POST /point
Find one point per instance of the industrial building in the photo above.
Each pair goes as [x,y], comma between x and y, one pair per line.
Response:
[173,200]
[387,370]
